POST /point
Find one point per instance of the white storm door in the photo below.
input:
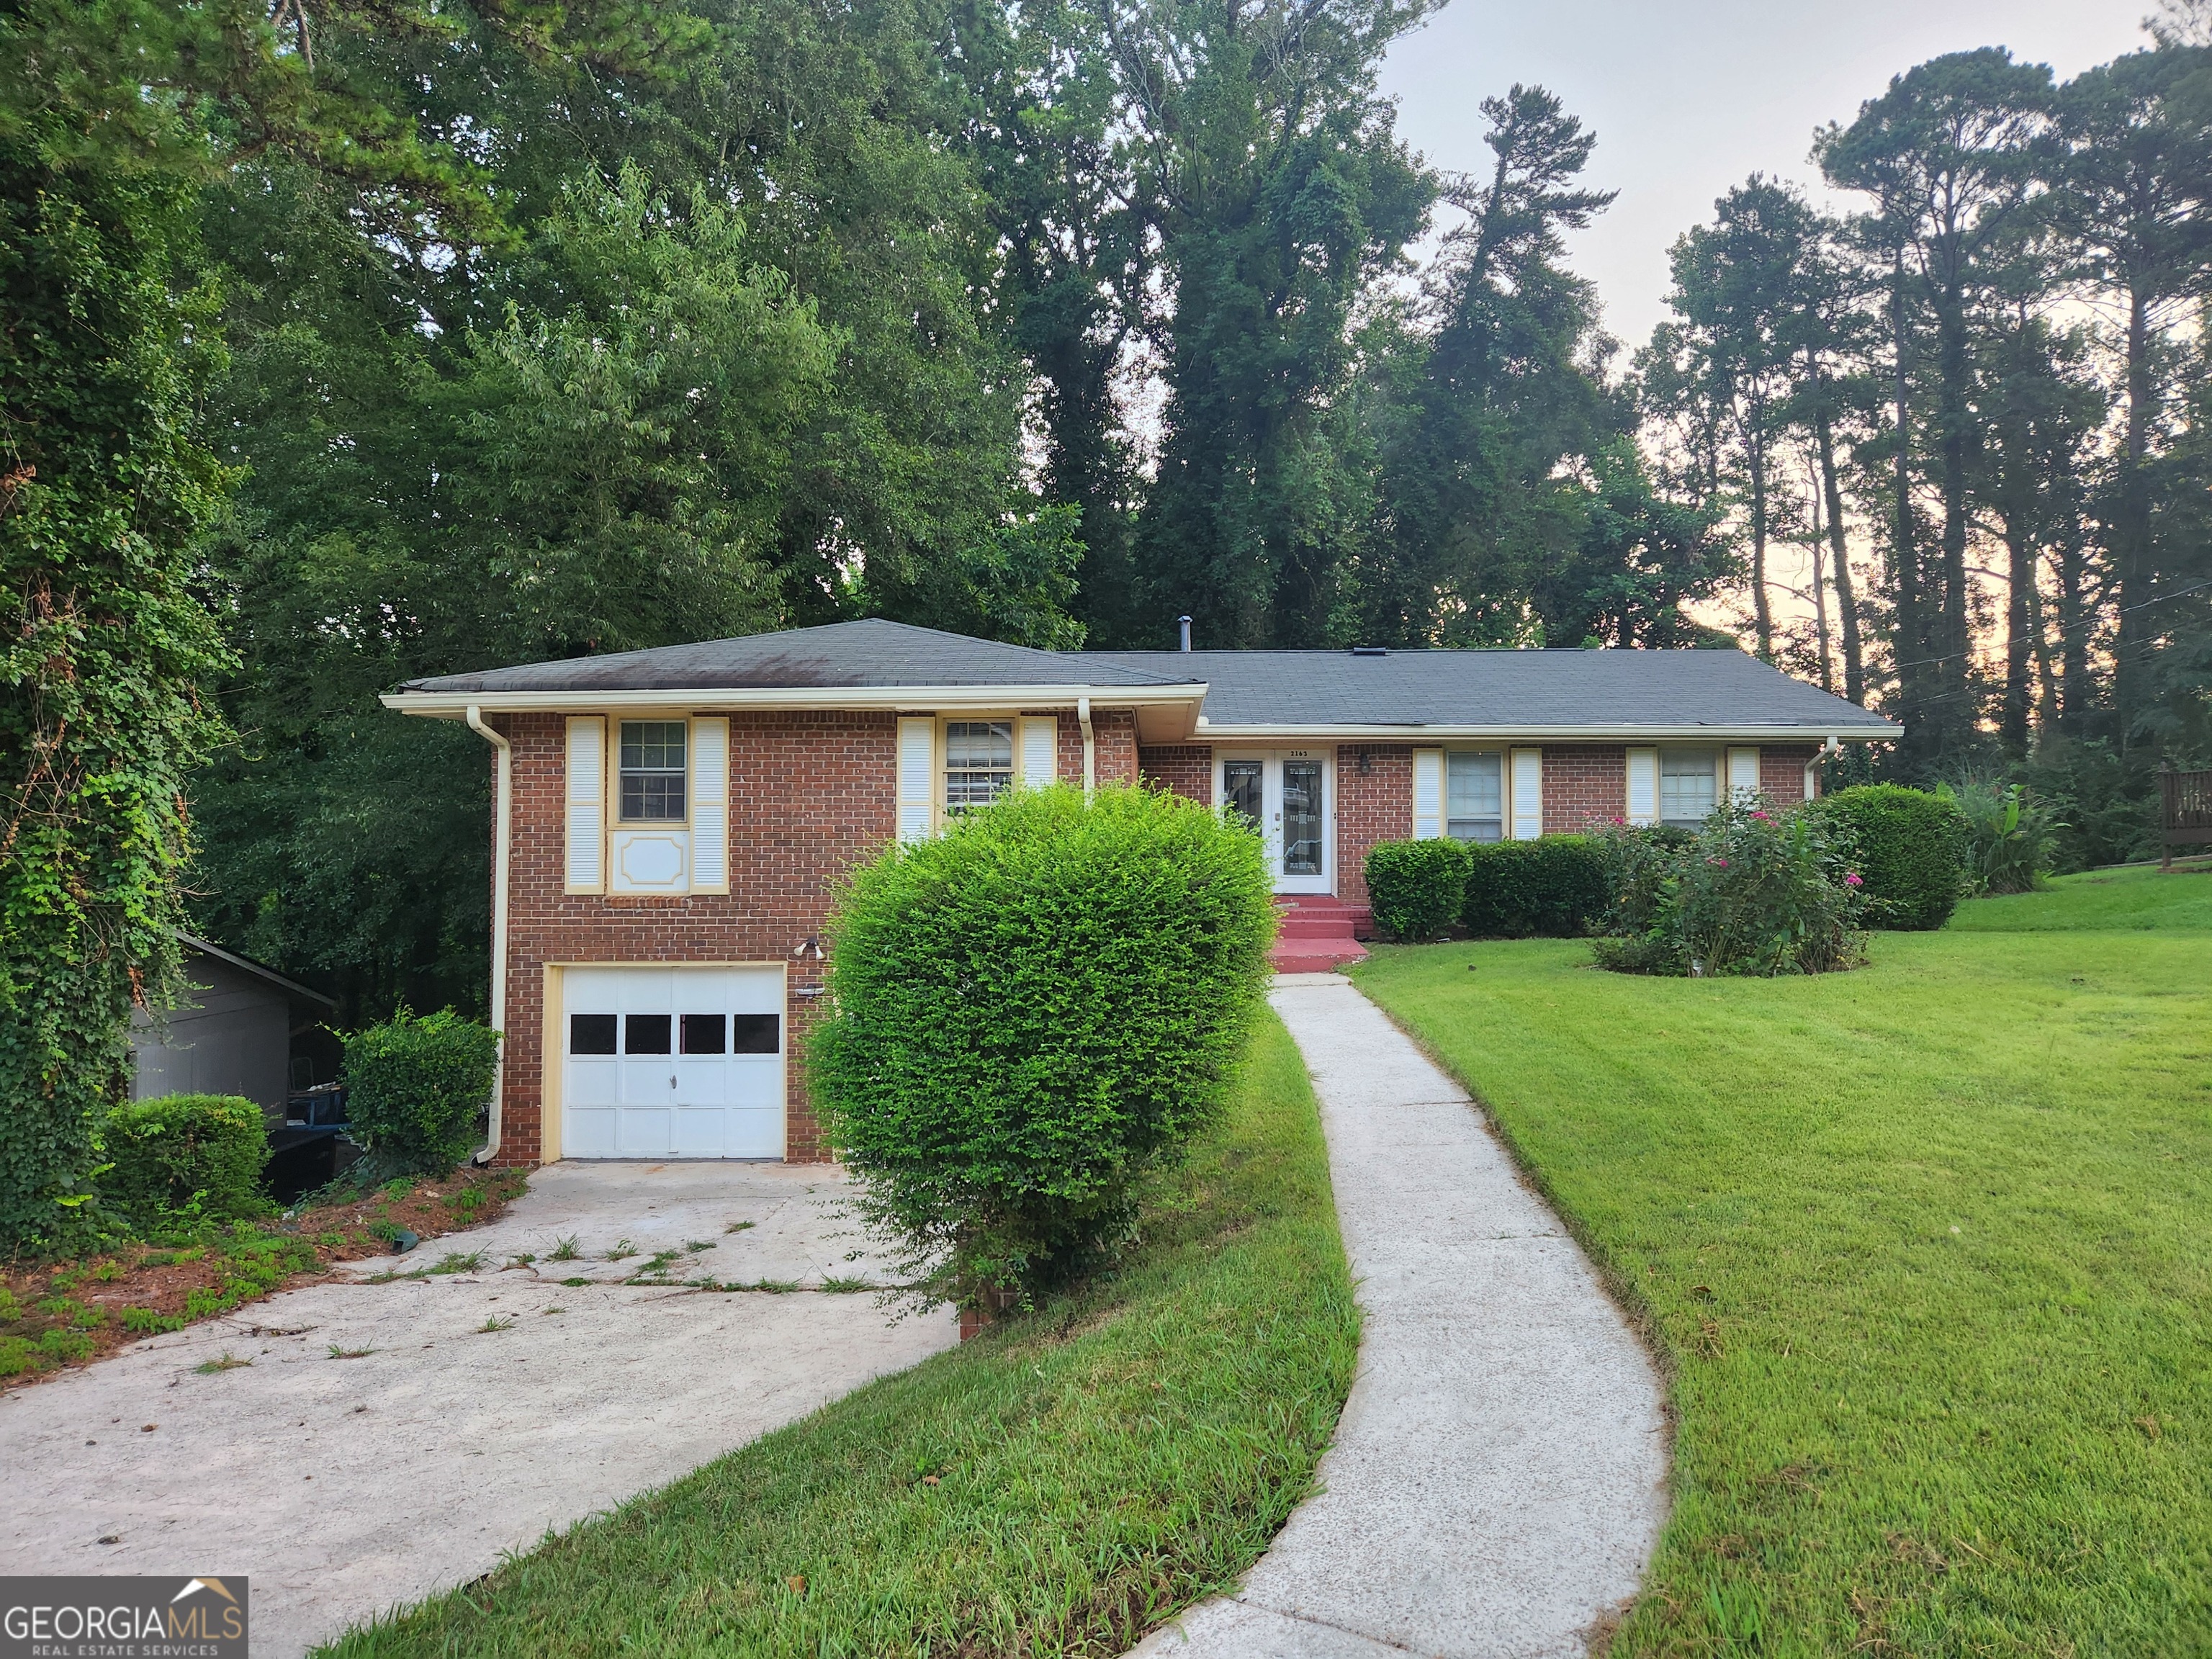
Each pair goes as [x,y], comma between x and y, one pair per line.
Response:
[672,1062]
[1290,796]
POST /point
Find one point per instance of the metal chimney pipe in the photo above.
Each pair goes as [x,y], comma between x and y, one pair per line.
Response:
[1185,621]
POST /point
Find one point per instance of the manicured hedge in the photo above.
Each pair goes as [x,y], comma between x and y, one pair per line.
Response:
[415,1088]
[1416,888]
[1910,847]
[1027,1014]
[176,1151]
[1555,886]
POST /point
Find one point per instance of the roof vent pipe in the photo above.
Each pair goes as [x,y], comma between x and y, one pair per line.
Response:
[1185,622]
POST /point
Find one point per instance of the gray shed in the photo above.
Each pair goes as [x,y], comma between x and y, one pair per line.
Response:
[230,1034]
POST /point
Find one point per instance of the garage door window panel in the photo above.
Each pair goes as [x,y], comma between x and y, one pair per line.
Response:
[757,1034]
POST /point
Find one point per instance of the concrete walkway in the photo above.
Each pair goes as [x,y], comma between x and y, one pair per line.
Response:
[384,1441]
[1497,1482]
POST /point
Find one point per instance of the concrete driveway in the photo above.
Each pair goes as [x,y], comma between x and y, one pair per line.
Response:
[474,1409]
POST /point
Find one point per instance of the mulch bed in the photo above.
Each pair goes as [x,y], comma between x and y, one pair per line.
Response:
[56,1316]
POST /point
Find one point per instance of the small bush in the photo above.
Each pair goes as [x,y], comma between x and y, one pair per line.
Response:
[1030,1014]
[2010,839]
[185,1154]
[1756,892]
[1417,887]
[1555,887]
[1910,846]
[414,1088]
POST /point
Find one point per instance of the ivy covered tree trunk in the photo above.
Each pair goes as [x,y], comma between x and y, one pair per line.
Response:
[103,489]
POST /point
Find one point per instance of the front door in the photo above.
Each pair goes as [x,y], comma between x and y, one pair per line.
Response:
[1287,793]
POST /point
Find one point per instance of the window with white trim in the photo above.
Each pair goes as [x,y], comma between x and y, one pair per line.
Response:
[1474,795]
[1688,786]
[979,762]
[652,772]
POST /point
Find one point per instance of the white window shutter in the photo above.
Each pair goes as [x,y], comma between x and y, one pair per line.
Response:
[1040,751]
[1527,793]
[1428,793]
[584,825]
[1642,787]
[1742,773]
[917,778]
[710,806]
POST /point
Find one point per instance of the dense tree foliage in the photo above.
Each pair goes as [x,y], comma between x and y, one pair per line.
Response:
[351,342]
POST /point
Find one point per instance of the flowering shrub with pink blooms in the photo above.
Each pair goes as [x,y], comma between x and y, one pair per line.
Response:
[1756,891]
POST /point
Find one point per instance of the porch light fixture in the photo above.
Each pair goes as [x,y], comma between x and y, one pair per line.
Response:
[1366,762]
[809,947]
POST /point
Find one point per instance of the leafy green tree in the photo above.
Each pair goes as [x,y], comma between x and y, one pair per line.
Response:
[1497,395]
[111,114]
[1948,155]
[2130,192]
[1640,557]
[102,486]
[1284,193]
[1739,286]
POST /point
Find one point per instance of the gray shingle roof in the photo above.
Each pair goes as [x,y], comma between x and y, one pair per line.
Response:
[854,654]
[1555,690]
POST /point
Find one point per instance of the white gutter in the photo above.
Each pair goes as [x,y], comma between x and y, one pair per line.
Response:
[921,699]
[1090,747]
[1218,731]
[501,820]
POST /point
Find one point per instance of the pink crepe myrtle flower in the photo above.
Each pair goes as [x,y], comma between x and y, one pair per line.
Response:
[1854,880]
[1762,818]
[1718,864]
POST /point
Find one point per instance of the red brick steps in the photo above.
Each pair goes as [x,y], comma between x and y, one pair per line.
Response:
[1318,934]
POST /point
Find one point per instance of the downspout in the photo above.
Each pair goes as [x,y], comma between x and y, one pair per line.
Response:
[1090,747]
[1826,752]
[502,814]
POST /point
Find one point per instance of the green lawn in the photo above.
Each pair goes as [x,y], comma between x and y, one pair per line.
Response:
[1053,1487]
[1927,1251]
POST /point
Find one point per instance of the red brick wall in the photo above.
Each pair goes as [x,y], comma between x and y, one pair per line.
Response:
[1782,773]
[1376,805]
[1585,786]
[809,794]
[1182,769]
[1116,732]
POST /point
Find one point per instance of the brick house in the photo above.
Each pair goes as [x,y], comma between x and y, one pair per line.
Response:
[670,822]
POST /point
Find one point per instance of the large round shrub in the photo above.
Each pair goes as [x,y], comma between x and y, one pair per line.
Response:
[185,1154]
[1416,887]
[1910,847]
[415,1088]
[1555,886]
[1026,1015]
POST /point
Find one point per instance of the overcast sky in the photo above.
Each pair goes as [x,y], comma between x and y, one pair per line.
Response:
[1689,97]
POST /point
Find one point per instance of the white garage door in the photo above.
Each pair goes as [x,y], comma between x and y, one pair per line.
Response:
[672,1062]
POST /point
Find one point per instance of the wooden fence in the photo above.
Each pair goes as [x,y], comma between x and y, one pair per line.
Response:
[2185,809]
